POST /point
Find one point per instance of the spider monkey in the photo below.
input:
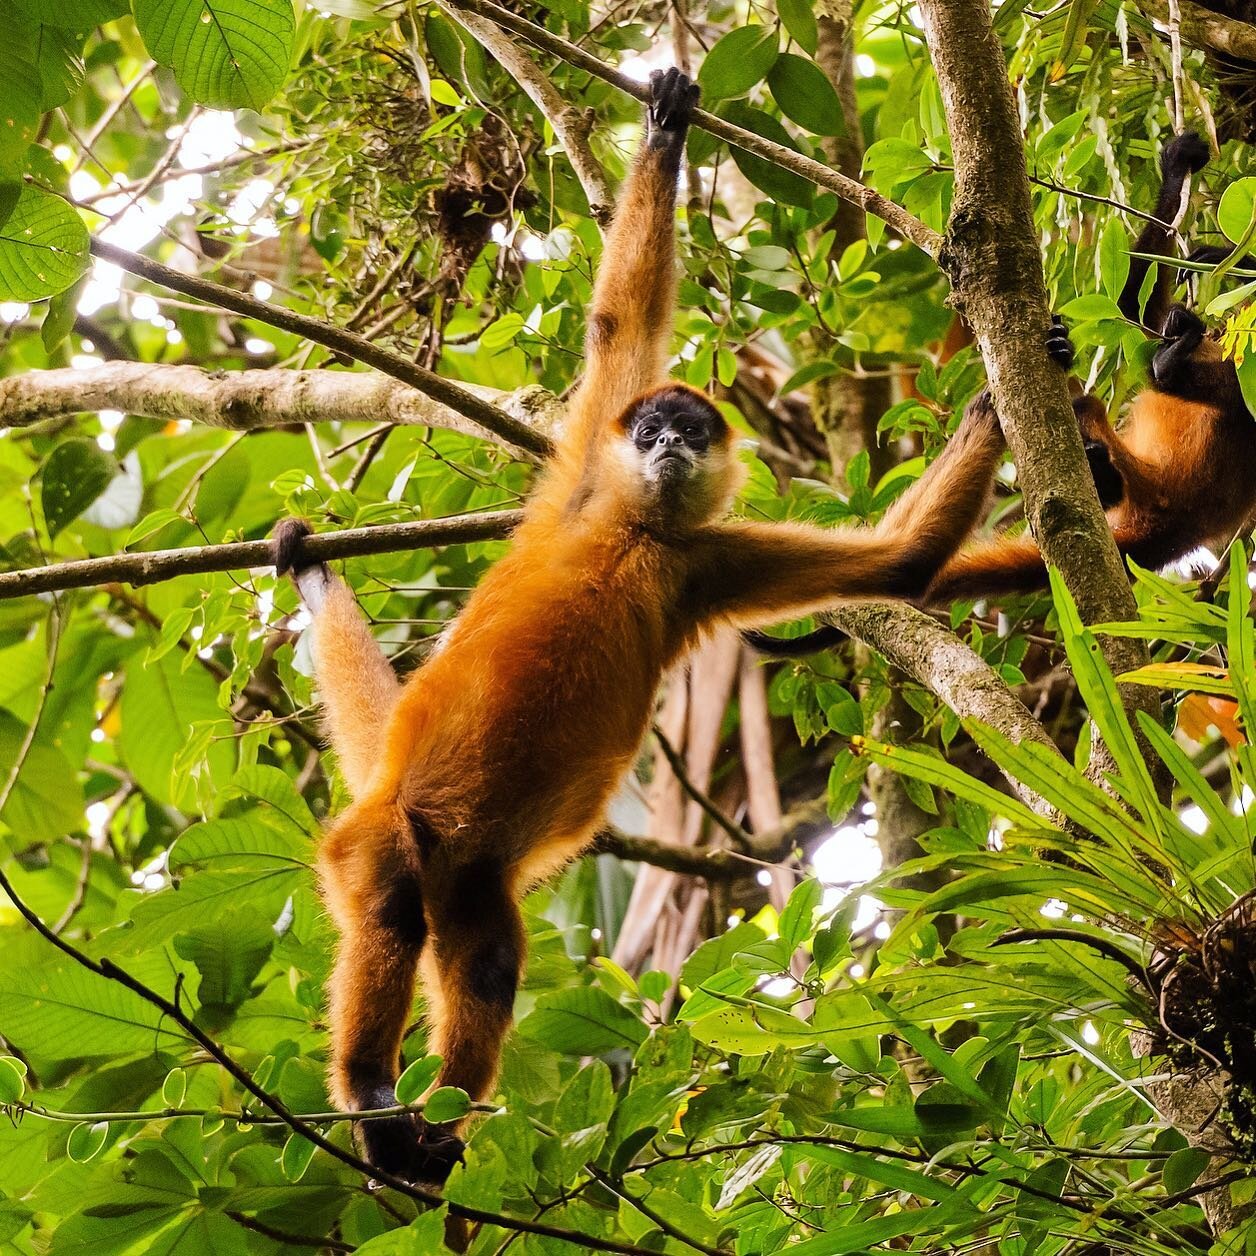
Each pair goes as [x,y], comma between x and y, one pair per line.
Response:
[492,766]
[1180,472]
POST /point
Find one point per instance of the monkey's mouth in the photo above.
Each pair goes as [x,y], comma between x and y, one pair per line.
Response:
[671,464]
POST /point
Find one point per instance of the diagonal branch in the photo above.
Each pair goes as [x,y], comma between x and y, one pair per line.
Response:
[1205,29]
[153,565]
[934,656]
[907,225]
[570,125]
[457,398]
[246,401]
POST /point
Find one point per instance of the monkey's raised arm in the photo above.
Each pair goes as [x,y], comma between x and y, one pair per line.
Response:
[634,297]
[1183,155]
[758,573]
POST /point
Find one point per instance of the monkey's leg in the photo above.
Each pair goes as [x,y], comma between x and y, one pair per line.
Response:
[373,894]
[471,970]
[356,684]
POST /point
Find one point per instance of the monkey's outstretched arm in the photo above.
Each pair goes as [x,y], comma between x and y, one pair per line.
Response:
[356,684]
[634,297]
[1183,155]
[757,573]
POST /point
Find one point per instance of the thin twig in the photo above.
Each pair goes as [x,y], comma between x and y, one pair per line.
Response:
[739,837]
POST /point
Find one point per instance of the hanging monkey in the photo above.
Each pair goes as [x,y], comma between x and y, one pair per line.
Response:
[1181,470]
[492,766]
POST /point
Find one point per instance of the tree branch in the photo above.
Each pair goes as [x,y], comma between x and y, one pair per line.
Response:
[1206,29]
[993,261]
[250,400]
[145,568]
[459,399]
[571,126]
[718,863]
[908,226]
[934,656]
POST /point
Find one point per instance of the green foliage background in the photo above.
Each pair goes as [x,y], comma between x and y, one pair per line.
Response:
[162,789]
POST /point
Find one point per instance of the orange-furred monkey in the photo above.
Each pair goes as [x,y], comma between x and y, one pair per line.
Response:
[492,766]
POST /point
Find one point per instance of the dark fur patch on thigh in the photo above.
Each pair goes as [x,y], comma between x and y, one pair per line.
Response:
[399,909]
[494,973]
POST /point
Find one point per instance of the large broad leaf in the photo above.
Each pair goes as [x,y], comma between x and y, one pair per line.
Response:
[69,1012]
[61,68]
[76,473]
[75,15]
[805,95]
[781,185]
[160,703]
[228,54]
[43,246]
[738,61]
[47,799]
[20,92]
[228,952]
[582,1021]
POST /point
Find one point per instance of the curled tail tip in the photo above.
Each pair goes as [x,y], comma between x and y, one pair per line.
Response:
[288,546]
[823,638]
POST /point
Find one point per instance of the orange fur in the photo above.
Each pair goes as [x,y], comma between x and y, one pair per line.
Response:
[493,765]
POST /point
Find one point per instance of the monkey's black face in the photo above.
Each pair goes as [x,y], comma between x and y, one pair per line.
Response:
[673,431]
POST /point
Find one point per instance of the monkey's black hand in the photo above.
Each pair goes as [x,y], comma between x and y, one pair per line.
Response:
[673,98]
[1108,481]
[288,546]
[980,412]
[1184,154]
[437,1152]
[1059,345]
[1182,323]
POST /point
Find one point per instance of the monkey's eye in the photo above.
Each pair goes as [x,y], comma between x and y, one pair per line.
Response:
[692,430]
[649,432]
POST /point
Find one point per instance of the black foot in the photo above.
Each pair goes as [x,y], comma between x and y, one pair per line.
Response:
[1185,153]
[673,98]
[410,1148]
[1059,346]
[288,546]
[1182,323]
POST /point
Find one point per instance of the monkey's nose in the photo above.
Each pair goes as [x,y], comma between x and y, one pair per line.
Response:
[670,438]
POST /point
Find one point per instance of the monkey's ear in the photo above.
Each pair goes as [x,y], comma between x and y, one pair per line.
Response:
[288,546]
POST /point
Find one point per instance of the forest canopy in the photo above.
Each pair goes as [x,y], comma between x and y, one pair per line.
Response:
[937,940]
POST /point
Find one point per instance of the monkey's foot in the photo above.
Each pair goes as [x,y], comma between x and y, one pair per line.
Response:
[673,98]
[411,1148]
[1059,345]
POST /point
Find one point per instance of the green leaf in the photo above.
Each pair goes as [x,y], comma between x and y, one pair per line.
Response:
[12,1079]
[800,21]
[1103,701]
[582,1021]
[60,53]
[737,62]
[160,703]
[417,1078]
[1247,381]
[799,912]
[43,247]
[1237,208]
[1183,1167]
[1241,637]
[74,475]
[295,1158]
[1091,308]
[20,93]
[1074,38]
[86,1140]
[175,1088]
[806,96]
[62,311]
[449,1103]
[75,15]
[47,799]
[1114,258]
[228,952]
[227,54]
[781,185]
[891,1173]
